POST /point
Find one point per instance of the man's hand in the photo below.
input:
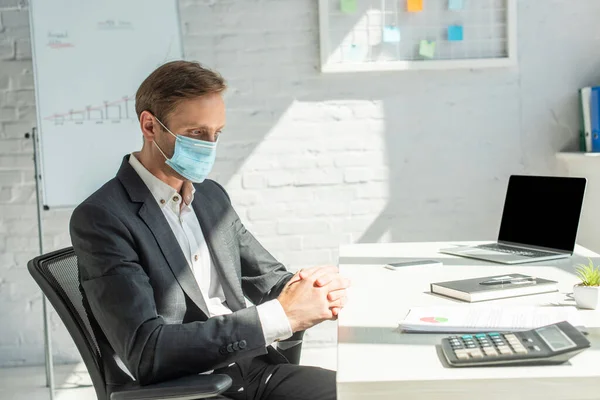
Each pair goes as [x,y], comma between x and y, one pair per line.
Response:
[328,276]
[313,295]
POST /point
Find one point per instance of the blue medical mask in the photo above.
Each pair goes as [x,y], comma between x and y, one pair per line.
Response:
[193,158]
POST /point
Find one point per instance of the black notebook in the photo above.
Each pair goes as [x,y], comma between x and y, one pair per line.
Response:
[494,287]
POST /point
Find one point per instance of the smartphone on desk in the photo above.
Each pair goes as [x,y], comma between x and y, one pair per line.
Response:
[423,263]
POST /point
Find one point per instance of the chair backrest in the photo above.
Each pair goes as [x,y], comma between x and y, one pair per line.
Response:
[57,275]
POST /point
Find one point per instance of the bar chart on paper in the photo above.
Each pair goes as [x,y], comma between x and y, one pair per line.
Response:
[88,64]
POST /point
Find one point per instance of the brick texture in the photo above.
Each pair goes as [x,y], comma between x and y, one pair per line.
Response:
[313,161]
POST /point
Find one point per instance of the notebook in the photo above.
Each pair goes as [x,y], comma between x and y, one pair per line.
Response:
[494,287]
[480,318]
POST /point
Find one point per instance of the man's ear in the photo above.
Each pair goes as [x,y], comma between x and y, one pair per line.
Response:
[148,125]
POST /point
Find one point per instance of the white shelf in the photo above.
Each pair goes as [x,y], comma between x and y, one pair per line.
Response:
[577,155]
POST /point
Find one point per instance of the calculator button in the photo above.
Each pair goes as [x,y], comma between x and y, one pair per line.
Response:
[520,349]
[466,337]
[490,351]
[471,346]
[535,348]
[504,350]
[476,353]
[487,344]
[510,336]
[493,334]
[462,356]
[461,351]
[529,340]
[480,335]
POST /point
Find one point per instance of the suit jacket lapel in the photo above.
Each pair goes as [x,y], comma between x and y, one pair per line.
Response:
[152,215]
[221,251]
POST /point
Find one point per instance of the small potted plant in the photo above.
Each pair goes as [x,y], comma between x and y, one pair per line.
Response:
[587,292]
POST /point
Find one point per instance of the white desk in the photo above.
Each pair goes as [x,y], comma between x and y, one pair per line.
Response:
[376,361]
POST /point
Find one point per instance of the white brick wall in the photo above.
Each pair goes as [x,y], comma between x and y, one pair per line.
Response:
[312,161]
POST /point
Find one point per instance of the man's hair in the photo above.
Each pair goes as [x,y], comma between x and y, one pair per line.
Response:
[163,90]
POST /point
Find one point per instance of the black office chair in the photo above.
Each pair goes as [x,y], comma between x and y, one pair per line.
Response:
[57,275]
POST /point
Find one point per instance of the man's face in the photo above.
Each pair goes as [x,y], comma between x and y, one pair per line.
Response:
[201,118]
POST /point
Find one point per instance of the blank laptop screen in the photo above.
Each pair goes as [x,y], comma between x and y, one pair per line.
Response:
[542,211]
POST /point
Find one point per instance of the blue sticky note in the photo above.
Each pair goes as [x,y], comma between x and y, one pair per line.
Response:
[391,34]
[455,33]
[455,4]
[356,52]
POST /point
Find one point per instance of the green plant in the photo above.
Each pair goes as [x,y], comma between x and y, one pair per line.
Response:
[589,275]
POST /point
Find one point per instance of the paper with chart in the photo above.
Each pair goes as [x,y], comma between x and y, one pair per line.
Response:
[89,59]
[486,318]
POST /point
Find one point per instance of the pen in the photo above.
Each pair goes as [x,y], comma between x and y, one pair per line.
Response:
[503,281]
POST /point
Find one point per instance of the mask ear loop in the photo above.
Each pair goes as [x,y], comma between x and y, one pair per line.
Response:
[159,149]
[167,129]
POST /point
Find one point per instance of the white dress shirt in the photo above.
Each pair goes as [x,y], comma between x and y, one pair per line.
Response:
[186,228]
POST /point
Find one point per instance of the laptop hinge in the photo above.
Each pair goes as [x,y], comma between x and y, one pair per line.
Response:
[532,247]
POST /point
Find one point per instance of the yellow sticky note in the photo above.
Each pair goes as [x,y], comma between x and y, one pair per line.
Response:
[414,5]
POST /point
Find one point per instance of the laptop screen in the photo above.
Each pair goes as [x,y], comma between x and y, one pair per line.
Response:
[542,211]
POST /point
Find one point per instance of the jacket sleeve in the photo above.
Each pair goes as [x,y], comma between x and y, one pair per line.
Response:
[263,277]
[121,299]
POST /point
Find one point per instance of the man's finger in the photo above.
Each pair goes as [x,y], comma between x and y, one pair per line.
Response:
[338,282]
[308,272]
[336,294]
[295,278]
[339,303]
[325,279]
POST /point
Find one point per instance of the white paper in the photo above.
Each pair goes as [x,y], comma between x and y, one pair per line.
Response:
[486,318]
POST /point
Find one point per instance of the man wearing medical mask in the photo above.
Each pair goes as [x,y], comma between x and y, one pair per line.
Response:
[166,264]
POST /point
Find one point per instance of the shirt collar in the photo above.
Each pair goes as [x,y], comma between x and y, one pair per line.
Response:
[162,193]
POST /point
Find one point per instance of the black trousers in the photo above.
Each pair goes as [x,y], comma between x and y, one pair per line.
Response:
[259,379]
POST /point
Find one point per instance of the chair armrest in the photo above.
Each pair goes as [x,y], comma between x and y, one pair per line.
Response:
[186,388]
[291,347]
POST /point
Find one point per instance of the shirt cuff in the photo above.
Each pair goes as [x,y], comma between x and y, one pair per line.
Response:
[274,322]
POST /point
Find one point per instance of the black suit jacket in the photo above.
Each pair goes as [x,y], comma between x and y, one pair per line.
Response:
[146,303]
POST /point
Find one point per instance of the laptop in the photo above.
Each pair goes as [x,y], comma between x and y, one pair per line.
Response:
[539,222]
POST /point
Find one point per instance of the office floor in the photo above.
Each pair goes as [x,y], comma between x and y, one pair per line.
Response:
[73,382]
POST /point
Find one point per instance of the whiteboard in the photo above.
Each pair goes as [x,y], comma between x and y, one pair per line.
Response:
[382,35]
[89,58]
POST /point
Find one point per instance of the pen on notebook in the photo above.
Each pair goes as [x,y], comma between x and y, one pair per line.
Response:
[508,280]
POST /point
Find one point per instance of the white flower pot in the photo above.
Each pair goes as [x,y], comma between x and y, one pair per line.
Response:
[587,296]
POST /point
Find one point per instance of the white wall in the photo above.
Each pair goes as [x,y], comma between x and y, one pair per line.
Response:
[314,161]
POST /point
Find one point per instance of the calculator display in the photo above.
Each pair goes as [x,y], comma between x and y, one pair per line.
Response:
[555,338]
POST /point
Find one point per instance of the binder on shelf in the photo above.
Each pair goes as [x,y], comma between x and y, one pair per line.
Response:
[595,119]
[585,95]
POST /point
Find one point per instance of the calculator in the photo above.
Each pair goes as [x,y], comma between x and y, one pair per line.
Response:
[548,345]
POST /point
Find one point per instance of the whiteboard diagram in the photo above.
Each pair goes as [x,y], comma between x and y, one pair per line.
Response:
[89,59]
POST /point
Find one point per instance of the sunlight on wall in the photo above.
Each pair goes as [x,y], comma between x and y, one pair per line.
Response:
[318,179]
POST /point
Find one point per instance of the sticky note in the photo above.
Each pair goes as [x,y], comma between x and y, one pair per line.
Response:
[455,33]
[427,48]
[391,34]
[455,4]
[414,5]
[356,52]
[348,6]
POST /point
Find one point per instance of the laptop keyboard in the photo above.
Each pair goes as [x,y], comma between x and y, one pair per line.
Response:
[512,250]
